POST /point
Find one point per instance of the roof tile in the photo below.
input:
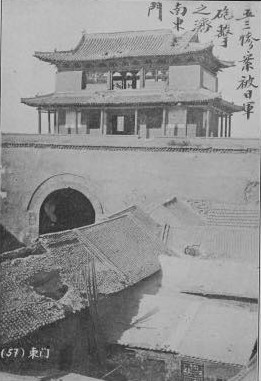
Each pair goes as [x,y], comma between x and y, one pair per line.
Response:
[124,254]
[129,97]
[101,46]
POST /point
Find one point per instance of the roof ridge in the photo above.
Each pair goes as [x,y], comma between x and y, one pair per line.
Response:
[158,30]
[82,227]
[51,52]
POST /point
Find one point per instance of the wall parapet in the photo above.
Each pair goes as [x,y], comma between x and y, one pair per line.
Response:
[131,148]
[109,142]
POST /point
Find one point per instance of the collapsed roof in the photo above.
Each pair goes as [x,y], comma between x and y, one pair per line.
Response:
[39,289]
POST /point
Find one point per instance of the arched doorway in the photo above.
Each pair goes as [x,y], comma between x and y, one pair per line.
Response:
[65,209]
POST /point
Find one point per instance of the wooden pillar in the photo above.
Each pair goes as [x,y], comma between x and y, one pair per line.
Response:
[124,79]
[105,117]
[219,126]
[87,123]
[109,80]
[207,123]
[136,122]
[201,77]
[163,126]
[134,79]
[222,126]
[39,121]
[156,75]
[101,121]
[76,121]
[49,122]
[229,125]
[142,77]
[226,125]
[186,124]
[56,130]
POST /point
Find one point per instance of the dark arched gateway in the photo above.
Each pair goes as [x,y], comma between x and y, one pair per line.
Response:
[65,209]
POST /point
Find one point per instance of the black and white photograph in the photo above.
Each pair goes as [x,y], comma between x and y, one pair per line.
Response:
[130,190]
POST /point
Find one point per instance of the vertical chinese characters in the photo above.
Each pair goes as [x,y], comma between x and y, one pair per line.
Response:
[179,11]
[247,81]
[156,5]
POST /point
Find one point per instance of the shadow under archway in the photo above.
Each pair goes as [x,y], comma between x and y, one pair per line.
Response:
[65,209]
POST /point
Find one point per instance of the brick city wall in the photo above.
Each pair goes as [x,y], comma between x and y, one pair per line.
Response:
[115,174]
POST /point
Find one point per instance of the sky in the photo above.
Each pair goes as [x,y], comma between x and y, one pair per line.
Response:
[45,25]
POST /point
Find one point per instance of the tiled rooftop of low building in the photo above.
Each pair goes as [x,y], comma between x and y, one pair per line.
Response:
[123,253]
[153,228]
[216,230]
[218,214]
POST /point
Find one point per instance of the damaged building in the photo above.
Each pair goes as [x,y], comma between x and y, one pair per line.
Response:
[45,289]
[111,297]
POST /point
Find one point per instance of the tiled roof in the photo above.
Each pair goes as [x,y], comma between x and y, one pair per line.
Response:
[22,309]
[124,254]
[226,215]
[216,242]
[130,97]
[217,230]
[127,245]
[144,43]
[143,218]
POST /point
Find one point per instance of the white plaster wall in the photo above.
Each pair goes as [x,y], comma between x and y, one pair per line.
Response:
[68,81]
[184,77]
[209,80]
